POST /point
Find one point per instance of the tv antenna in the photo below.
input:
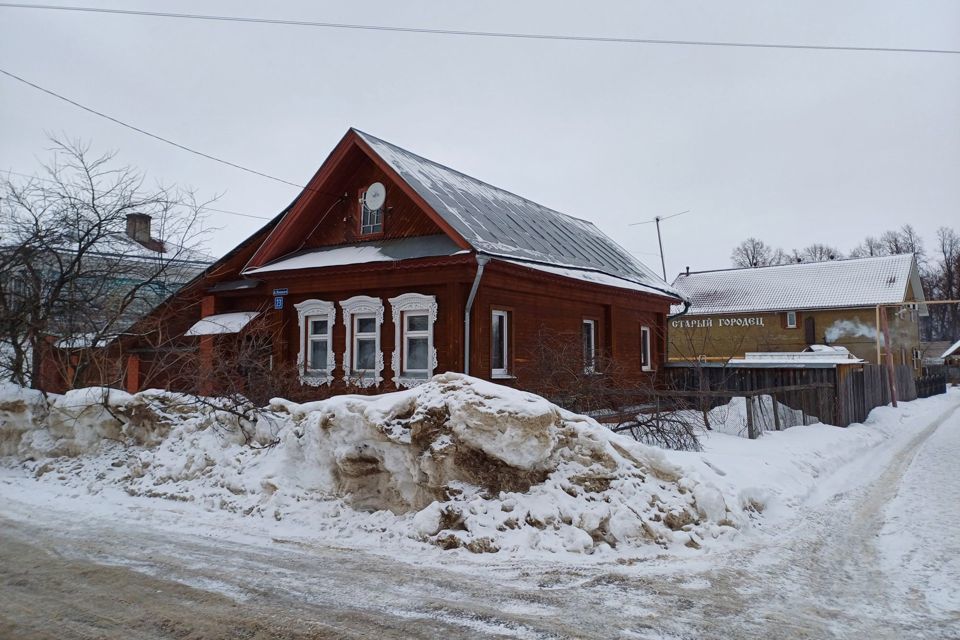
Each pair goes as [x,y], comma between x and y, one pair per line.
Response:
[657,219]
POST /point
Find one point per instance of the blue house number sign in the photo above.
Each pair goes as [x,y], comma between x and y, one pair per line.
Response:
[278,297]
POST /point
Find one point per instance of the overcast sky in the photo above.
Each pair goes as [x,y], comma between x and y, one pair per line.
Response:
[793,147]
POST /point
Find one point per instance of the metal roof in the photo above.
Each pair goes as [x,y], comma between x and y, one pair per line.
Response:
[500,223]
[855,283]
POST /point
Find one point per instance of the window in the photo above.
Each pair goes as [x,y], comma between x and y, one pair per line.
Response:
[416,344]
[371,220]
[791,319]
[414,356]
[365,340]
[589,331]
[318,343]
[362,358]
[645,362]
[315,360]
[500,344]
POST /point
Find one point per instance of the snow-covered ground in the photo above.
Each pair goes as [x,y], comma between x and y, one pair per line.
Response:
[819,531]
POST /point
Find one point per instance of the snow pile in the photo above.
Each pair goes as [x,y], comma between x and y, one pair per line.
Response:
[456,462]
[731,418]
[21,411]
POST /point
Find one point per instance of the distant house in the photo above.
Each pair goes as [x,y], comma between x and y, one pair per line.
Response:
[946,355]
[389,268]
[125,276]
[791,307]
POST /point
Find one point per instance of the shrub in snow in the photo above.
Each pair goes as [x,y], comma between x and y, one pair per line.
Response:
[456,462]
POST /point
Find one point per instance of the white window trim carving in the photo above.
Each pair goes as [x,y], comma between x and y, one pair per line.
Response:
[360,305]
[315,309]
[398,306]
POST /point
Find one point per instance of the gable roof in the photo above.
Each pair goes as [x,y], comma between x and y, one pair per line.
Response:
[854,283]
[495,222]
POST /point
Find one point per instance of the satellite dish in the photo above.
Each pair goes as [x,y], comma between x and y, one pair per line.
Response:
[375,196]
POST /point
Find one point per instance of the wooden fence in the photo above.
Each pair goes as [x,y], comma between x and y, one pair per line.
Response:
[931,385]
[841,396]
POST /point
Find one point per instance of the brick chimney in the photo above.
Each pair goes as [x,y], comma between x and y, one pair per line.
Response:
[138,227]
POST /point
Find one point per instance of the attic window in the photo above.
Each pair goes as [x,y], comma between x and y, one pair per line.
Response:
[371,220]
[371,209]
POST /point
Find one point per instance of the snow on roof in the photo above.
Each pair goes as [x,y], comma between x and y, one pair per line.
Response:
[952,350]
[818,355]
[222,323]
[379,251]
[860,282]
[500,223]
[588,276]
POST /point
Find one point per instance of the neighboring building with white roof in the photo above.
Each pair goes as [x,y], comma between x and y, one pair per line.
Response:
[787,308]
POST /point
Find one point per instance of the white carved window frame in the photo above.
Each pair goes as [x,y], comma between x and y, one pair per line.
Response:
[402,304]
[315,310]
[358,306]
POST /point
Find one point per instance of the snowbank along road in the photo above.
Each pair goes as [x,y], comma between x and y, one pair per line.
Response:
[872,552]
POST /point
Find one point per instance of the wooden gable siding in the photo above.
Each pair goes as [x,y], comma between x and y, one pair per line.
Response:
[333,190]
[402,218]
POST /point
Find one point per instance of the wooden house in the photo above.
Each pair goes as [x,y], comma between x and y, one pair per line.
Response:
[389,268]
[788,308]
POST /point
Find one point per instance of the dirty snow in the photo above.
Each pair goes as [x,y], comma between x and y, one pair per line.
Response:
[456,462]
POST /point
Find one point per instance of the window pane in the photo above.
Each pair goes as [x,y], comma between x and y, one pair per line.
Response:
[417,355]
[366,325]
[588,341]
[416,323]
[318,327]
[645,347]
[318,355]
[371,221]
[366,354]
[497,357]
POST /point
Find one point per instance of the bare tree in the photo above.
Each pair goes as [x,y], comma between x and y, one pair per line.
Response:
[71,276]
[869,248]
[904,240]
[941,281]
[756,253]
[818,252]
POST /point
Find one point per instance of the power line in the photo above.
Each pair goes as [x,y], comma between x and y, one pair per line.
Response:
[147,133]
[233,213]
[475,34]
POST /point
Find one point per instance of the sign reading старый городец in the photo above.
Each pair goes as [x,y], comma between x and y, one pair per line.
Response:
[687,323]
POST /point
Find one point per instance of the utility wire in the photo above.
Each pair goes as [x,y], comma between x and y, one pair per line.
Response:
[147,133]
[475,34]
